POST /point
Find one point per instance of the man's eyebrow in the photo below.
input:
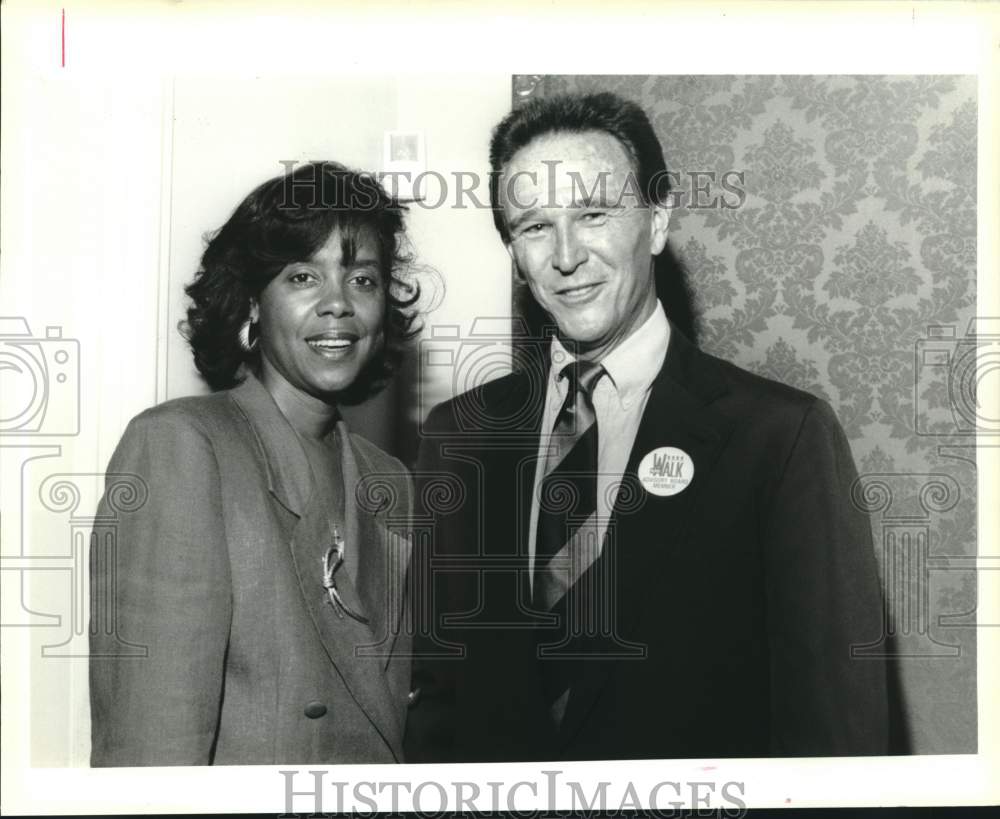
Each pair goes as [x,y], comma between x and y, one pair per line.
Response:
[595,201]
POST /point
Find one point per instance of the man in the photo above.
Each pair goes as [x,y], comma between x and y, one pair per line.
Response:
[647,552]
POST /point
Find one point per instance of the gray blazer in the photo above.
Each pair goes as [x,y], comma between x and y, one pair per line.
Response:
[212,637]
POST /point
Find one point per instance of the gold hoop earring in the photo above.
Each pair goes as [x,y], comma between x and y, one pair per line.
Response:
[248,336]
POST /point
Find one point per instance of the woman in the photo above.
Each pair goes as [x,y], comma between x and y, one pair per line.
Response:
[260,581]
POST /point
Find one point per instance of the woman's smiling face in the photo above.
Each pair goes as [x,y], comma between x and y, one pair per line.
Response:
[321,321]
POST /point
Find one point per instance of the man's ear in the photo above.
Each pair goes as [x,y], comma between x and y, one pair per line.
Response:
[659,228]
[509,247]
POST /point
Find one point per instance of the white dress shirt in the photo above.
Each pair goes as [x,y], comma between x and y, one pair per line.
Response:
[619,400]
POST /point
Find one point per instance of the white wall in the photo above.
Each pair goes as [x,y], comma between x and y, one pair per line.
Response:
[81,229]
[230,134]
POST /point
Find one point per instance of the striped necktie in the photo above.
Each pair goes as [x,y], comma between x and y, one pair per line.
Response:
[566,541]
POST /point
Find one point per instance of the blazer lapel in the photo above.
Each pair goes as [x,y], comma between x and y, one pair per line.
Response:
[384,555]
[288,472]
[350,644]
[646,529]
[512,460]
[361,580]
[532,403]
[506,448]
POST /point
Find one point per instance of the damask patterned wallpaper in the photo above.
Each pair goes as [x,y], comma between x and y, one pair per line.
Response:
[843,262]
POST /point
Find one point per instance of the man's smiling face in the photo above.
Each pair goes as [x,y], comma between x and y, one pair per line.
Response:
[581,236]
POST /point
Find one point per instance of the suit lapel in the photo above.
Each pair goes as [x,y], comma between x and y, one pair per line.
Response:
[286,464]
[677,415]
[532,401]
[506,450]
[384,555]
[361,581]
[646,529]
[361,585]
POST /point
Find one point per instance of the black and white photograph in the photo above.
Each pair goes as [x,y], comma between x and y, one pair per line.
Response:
[386,431]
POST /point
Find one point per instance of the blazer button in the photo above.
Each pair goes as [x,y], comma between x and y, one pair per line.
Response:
[413,698]
[315,709]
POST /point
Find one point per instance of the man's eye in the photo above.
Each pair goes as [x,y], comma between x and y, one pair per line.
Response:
[531,229]
[594,215]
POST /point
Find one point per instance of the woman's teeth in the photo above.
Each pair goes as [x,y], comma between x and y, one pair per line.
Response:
[331,344]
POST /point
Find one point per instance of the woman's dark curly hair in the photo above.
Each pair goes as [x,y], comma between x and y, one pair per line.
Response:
[286,220]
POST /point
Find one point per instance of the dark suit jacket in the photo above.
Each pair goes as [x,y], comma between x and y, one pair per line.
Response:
[225,649]
[736,601]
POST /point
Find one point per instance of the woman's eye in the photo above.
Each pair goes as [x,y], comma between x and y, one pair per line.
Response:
[365,280]
[300,277]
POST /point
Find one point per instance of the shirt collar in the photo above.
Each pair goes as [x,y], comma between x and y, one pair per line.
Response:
[631,366]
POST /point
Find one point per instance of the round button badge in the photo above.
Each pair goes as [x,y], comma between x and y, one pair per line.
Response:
[665,471]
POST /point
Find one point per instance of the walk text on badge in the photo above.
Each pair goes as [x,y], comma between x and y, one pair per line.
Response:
[666,470]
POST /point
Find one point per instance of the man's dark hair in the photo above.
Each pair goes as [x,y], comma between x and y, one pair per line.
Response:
[285,220]
[574,114]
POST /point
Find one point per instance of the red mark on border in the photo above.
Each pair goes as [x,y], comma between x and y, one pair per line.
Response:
[64,38]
